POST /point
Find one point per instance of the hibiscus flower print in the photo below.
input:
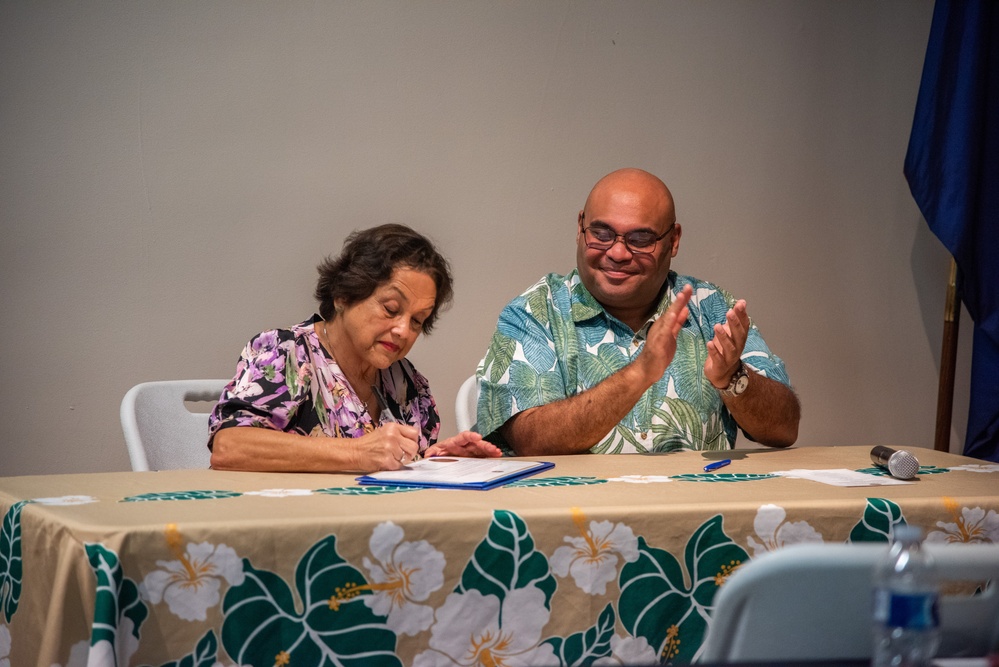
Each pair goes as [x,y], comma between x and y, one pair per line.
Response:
[970,526]
[405,573]
[79,653]
[190,584]
[593,557]
[628,651]
[474,630]
[775,531]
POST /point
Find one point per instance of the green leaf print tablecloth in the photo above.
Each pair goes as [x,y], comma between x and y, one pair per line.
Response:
[615,558]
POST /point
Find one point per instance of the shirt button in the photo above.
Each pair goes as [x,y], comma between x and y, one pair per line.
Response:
[644,434]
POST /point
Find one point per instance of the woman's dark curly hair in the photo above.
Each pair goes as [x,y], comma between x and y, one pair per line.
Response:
[369,258]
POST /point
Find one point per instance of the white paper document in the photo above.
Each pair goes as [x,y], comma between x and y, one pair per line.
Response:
[841,477]
[449,471]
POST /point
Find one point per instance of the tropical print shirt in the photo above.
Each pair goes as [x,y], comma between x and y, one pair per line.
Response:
[555,340]
[286,381]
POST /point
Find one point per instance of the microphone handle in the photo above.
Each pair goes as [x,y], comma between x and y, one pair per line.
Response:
[881,455]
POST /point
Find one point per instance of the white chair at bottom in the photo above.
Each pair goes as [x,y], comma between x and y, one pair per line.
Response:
[813,602]
[160,432]
[466,403]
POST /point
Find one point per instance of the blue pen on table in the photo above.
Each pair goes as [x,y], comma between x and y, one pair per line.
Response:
[716,465]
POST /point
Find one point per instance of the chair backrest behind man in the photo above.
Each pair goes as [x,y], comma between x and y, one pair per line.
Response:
[814,602]
[160,432]
[466,403]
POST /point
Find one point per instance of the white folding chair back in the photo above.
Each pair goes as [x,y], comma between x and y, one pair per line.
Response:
[161,433]
[466,403]
[813,602]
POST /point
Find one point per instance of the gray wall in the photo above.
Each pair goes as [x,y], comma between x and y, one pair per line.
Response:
[171,173]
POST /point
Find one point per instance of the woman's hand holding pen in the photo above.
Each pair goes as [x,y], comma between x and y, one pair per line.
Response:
[388,447]
[407,452]
[466,443]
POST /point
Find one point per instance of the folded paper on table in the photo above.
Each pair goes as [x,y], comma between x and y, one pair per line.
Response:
[450,472]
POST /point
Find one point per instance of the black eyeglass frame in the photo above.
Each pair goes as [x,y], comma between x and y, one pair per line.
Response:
[607,245]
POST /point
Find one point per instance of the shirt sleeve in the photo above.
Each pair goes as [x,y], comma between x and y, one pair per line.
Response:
[521,368]
[758,357]
[269,388]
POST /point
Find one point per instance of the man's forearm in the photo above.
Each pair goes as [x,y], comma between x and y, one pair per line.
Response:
[574,424]
[768,411]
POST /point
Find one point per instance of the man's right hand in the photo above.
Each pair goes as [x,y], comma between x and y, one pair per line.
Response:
[660,343]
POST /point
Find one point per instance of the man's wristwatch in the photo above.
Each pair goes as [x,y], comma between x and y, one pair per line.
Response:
[738,383]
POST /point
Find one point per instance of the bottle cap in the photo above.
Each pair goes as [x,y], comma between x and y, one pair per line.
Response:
[907,533]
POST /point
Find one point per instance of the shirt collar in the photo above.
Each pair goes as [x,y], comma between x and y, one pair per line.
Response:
[585,306]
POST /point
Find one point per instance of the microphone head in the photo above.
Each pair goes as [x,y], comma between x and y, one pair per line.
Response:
[903,465]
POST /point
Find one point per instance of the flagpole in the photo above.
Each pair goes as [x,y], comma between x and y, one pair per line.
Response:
[948,360]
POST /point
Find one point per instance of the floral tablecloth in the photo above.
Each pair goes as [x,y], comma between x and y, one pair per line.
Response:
[601,560]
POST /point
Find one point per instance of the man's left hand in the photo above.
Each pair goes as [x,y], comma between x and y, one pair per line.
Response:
[725,349]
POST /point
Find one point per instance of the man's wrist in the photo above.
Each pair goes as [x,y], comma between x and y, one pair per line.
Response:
[725,380]
[738,383]
[636,374]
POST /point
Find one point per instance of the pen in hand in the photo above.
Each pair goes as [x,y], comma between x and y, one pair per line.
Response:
[383,404]
[389,415]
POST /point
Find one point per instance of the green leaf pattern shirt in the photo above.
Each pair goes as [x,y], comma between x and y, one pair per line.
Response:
[555,340]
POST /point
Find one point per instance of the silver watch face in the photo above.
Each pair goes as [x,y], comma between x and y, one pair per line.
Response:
[738,384]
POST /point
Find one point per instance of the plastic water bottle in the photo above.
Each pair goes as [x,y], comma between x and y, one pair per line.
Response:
[906,617]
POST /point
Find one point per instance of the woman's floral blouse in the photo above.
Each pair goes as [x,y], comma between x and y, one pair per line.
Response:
[286,381]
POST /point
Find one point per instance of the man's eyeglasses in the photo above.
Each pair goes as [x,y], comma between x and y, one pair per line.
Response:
[602,237]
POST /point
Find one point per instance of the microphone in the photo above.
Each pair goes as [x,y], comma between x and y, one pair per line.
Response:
[899,463]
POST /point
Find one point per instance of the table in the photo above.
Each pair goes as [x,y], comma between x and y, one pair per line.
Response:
[605,555]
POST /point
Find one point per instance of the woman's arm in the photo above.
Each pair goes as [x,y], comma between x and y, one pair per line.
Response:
[264,450]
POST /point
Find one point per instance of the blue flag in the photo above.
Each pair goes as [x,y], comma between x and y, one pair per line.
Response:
[953,171]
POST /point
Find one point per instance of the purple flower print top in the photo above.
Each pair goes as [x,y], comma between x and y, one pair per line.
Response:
[286,381]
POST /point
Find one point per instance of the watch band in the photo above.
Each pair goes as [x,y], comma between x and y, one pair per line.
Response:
[738,383]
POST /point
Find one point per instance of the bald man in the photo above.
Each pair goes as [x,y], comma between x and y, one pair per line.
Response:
[622,354]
